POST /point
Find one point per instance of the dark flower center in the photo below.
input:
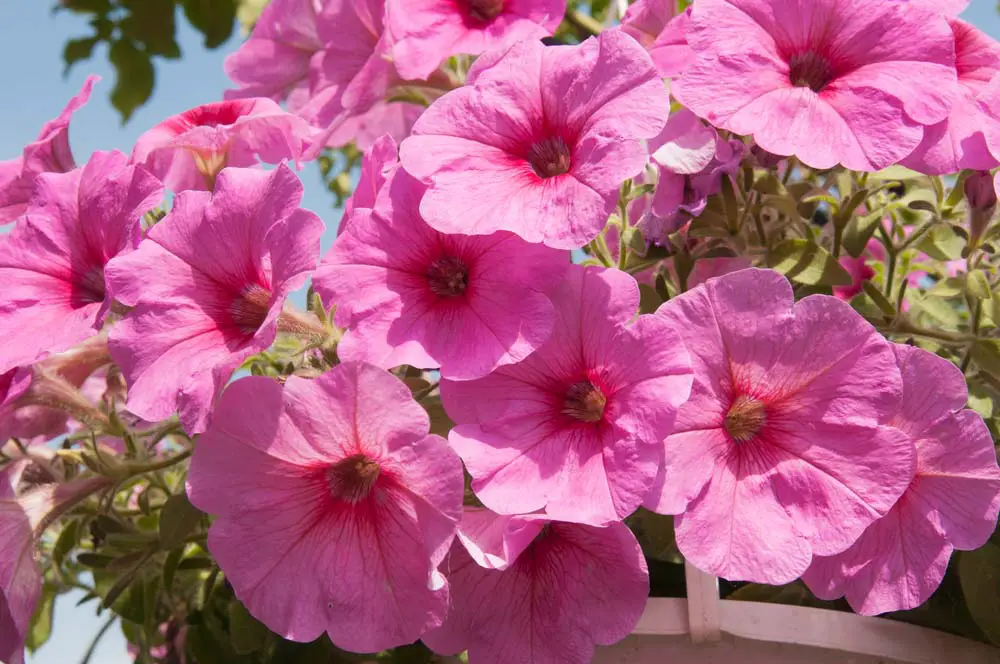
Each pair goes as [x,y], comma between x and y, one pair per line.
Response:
[585,402]
[250,308]
[483,11]
[745,419]
[352,479]
[810,70]
[448,277]
[549,157]
[88,287]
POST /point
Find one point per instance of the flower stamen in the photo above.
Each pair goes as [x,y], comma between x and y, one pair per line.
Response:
[585,402]
[745,419]
[353,478]
[550,157]
[448,277]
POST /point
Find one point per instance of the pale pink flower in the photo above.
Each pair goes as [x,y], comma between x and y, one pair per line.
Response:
[670,51]
[646,19]
[577,428]
[393,118]
[48,153]
[378,164]
[52,263]
[527,589]
[952,503]
[188,150]
[541,140]
[407,294]
[427,32]
[208,285]
[957,142]
[336,479]
[781,452]
[851,82]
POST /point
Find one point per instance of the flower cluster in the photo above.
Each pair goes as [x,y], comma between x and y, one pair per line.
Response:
[554,304]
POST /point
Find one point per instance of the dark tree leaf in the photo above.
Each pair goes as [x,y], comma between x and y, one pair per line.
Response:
[135,80]
[152,23]
[212,18]
[979,573]
[178,519]
[76,50]
[246,633]
[41,621]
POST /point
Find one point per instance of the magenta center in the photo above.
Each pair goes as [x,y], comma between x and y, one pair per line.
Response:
[353,478]
[448,277]
[549,157]
[483,11]
[585,402]
[810,70]
[745,419]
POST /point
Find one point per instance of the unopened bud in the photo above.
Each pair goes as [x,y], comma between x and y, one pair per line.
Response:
[981,196]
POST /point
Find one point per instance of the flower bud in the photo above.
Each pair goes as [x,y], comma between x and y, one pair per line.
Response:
[981,196]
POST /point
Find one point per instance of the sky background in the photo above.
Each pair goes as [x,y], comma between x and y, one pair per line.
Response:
[35,91]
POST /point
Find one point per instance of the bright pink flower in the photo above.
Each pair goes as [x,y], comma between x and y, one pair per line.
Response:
[49,153]
[952,503]
[783,429]
[646,19]
[395,119]
[790,71]
[577,427]
[958,142]
[274,61]
[378,164]
[671,52]
[208,285]
[946,7]
[426,32]
[408,294]
[526,589]
[188,150]
[543,136]
[335,478]
[860,272]
[52,263]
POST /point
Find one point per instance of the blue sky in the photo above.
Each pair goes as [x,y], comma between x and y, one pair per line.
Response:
[31,42]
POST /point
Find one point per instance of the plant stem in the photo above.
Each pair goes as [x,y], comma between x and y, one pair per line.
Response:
[584,22]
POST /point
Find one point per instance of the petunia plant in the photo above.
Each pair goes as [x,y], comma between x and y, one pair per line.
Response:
[614,289]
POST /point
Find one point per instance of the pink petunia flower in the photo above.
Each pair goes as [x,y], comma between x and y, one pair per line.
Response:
[208,285]
[543,136]
[780,453]
[670,51]
[408,294]
[946,7]
[958,142]
[577,427]
[187,151]
[426,32]
[274,61]
[48,153]
[952,503]
[645,20]
[860,272]
[378,164]
[527,589]
[337,476]
[824,80]
[52,263]
[392,118]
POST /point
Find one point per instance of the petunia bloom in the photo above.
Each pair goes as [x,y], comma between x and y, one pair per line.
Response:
[670,51]
[408,294]
[540,141]
[336,478]
[952,503]
[823,80]
[782,452]
[577,427]
[378,164]
[946,7]
[187,151]
[208,285]
[958,142]
[524,589]
[52,264]
[645,20]
[48,153]
[427,32]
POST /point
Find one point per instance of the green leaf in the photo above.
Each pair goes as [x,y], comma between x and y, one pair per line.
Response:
[894,173]
[441,424]
[41,620]
[85,6]
[246,633]
[68,538]
[178,519]
[76,50]
[949,287]
[94,560]
[978,285]
[807,263]
[212,18]
[878,298]
[941,243]
[152,23]
[170,569]
[655,533]
[980,400]
[986,354]
[794,594]
[135,77]
[859,231]
[979,573]
[649,299]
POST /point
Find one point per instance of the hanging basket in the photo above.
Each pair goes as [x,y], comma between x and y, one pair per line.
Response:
[704,629]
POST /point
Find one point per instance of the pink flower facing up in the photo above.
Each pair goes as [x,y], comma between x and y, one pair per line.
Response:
[208,285]
[335,479]
[52,263]
[540,141]
[408,294]
[781,452]
[527,589]
[577,428]
[48,153]
[646,19]
[958,142]
[849,82]
[952,503]
[426,32]
[187,151]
